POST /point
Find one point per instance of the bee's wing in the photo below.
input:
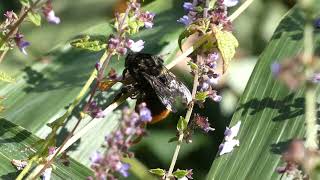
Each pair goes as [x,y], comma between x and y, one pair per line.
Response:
[169,89]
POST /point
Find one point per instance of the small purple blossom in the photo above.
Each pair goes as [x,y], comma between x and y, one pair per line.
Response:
[97,66]
[186,20]
[145,113]
[316,78]
[230,3]
[275,68]
[22,44]
[107,164]
[213,56]
[203,123]
[135,46]
[124,169]
[214,80]
[147,19]
[317,23]
[51,150]
[49,14]
[188,6]
[95,111]
[96,157]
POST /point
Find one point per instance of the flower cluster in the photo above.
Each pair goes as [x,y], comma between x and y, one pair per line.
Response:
[49,14]
[198,122]
[21,43]
[120,45]
[218,15]
[95,111]
[9,25]
[108,164]
[229,139]
[292,72]
[130,23]
[298,157]
[209,76]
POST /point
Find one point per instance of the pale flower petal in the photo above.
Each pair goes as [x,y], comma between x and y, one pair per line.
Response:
[136,46]
[230,3]
[228,146]
[232,132]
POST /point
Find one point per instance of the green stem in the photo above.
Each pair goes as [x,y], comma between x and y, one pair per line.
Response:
[310,96]
[181,135]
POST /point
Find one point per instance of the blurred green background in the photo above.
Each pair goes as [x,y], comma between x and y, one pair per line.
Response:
[253,30]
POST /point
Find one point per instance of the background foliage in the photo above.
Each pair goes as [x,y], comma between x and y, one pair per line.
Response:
[47,83]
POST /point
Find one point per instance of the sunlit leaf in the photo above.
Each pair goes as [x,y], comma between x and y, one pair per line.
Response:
[227,45]
[35,18]
[6,78]
[272,115]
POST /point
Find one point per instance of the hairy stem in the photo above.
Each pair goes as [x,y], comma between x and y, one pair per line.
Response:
[310,96]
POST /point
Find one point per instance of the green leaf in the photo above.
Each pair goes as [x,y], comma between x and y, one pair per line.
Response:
[158,172]
[193,65]
[88,43]
[44,90]
[201,96]
[271,114]
[6,78]
[227,45]
[17,143]
[182,124]
[180,173]
[25,3]
[35,18]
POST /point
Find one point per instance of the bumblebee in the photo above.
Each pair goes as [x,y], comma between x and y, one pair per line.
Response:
[153,84]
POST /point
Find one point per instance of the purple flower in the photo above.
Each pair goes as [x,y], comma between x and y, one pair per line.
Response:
[204,86]
[147,18]
[316,78]
[187,6]
[52,18]
[275,68]
[214,80]
[317,23]
[186,20]
[135,46]
[145,113]
[203,123]
[96,157]
[213,57]
[95,111]
[52,150]
[216,98]
[97,66]
[22,45]
[124,169]
[230,3]
[190,173]
[49,14]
